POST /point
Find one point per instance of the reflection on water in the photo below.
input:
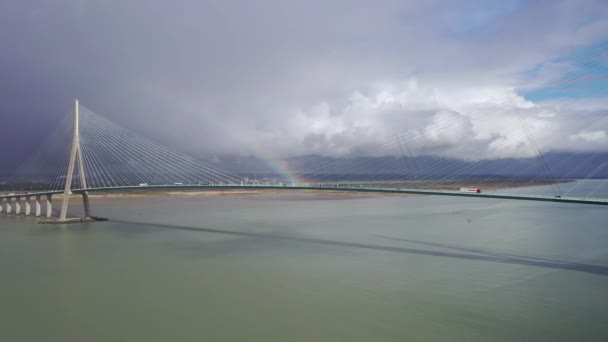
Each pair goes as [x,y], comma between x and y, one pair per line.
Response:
[304,267]
[481,254]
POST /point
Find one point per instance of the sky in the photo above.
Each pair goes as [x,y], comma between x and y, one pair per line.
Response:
[468,79]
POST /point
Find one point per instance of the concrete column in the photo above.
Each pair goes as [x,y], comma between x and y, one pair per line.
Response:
[17,206]
[49,206]
[9,208]
[85,202]
[28,208]
[38,211]
[1,205]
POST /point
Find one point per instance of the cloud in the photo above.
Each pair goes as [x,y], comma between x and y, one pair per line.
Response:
[291,78]
[590,137]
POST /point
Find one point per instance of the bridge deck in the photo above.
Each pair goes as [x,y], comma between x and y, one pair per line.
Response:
[578,200]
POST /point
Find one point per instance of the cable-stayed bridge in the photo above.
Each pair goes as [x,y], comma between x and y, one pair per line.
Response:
[91,154]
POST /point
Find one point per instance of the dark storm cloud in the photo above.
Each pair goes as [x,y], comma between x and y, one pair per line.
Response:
[235,77]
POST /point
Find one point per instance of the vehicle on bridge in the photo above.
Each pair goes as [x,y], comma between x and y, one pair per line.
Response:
[472,190]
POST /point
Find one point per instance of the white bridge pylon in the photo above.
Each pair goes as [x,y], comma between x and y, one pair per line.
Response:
[75,156]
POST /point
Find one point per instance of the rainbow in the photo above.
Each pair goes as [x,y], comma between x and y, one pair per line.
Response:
[281,167]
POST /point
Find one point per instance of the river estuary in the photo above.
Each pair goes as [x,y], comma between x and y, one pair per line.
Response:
[308,267]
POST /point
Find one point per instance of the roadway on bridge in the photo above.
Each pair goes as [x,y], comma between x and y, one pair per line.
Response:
[541,198]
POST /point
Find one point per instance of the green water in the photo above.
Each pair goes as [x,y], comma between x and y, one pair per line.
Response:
[306,267]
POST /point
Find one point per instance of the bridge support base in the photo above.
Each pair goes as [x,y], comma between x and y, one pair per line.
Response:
[85,203]
[28,207]
[17,207]
[73,220]
[9,207]
[37,206]
[49,206]
[1,205]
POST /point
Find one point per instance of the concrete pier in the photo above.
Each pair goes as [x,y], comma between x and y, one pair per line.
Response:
[28,207]
[85,202]
[1,204]
[37,205]
[49,206]
[17,206]
[9,208]
[58,220]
